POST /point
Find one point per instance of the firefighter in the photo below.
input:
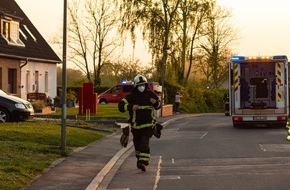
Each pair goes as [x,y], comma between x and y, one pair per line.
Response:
[141,103]
[178,96]
[227,104]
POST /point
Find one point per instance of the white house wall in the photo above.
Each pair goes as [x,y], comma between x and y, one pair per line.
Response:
[42,68]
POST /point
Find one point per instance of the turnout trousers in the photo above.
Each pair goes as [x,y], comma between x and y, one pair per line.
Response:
[141,138]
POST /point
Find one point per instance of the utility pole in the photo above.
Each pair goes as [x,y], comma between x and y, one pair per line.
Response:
[164,58]
[162,84]
[63,98]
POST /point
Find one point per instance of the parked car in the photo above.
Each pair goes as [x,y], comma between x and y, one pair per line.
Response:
[13,108]
[117,92]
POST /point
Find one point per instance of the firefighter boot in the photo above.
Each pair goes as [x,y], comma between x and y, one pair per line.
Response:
[141,166]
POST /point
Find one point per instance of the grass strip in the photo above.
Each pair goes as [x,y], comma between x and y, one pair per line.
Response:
[28,148]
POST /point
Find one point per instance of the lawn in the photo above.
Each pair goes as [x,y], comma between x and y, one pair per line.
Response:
[105,111]
[28,148]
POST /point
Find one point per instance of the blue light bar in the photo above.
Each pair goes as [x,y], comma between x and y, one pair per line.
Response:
[238,58]
[280,57]
[124,82]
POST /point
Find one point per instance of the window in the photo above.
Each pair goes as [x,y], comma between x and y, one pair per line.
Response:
[27,81]
[10,31]
[36,81]
[29,32]
[128,88]
[0,78]
[22,33]
[12,81]
[116,89]
[5,25]
[46,82]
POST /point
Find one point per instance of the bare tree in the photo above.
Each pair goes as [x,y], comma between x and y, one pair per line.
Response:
[77,40]
[92,35]
[215,45]
[176,29]
[126,70]
[193,15]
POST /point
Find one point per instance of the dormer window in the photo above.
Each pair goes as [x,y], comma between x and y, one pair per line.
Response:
[6,29]
[10,31]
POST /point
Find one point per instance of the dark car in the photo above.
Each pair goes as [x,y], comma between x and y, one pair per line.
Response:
[13,108]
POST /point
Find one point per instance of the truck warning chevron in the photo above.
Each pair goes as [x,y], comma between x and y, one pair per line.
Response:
[258,91]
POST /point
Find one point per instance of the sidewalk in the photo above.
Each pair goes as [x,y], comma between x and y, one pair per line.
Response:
[81,169]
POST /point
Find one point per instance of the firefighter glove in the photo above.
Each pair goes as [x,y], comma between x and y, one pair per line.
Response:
[157,130]
[125,136]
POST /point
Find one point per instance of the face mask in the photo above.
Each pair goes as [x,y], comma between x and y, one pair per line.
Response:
[141,88]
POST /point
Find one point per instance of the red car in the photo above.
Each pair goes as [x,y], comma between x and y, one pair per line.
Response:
[116,93]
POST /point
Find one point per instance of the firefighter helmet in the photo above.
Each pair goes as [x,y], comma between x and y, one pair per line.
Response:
[140,79]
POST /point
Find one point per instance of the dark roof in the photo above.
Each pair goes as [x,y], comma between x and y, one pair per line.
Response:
[33,50]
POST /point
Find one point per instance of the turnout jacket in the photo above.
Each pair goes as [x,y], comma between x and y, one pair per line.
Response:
[144,115]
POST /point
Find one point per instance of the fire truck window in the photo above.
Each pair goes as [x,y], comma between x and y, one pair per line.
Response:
[273,90]
[128,88]
[245,92]
[262,89]
[116,89]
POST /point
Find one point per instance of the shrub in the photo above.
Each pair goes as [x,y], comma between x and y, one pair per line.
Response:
[38,105]
[198,99]
[71,95]
[57,101]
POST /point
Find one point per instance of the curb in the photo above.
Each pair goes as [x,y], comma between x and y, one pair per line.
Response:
[101,175]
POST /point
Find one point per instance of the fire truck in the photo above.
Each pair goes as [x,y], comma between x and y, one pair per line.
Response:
[258,91]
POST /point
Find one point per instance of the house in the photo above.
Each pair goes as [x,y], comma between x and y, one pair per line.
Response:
[27,62]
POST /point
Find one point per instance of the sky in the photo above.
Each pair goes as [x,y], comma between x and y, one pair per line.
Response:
[263,26]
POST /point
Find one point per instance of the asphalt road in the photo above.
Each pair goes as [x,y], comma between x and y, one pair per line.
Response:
[204,152]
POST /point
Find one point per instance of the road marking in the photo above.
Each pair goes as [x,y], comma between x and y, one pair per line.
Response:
[170,177]
[158,173]
[203,135]
[174,134]
[172,160]
[277,147]
[262,148]
[225,166]
[95,183]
